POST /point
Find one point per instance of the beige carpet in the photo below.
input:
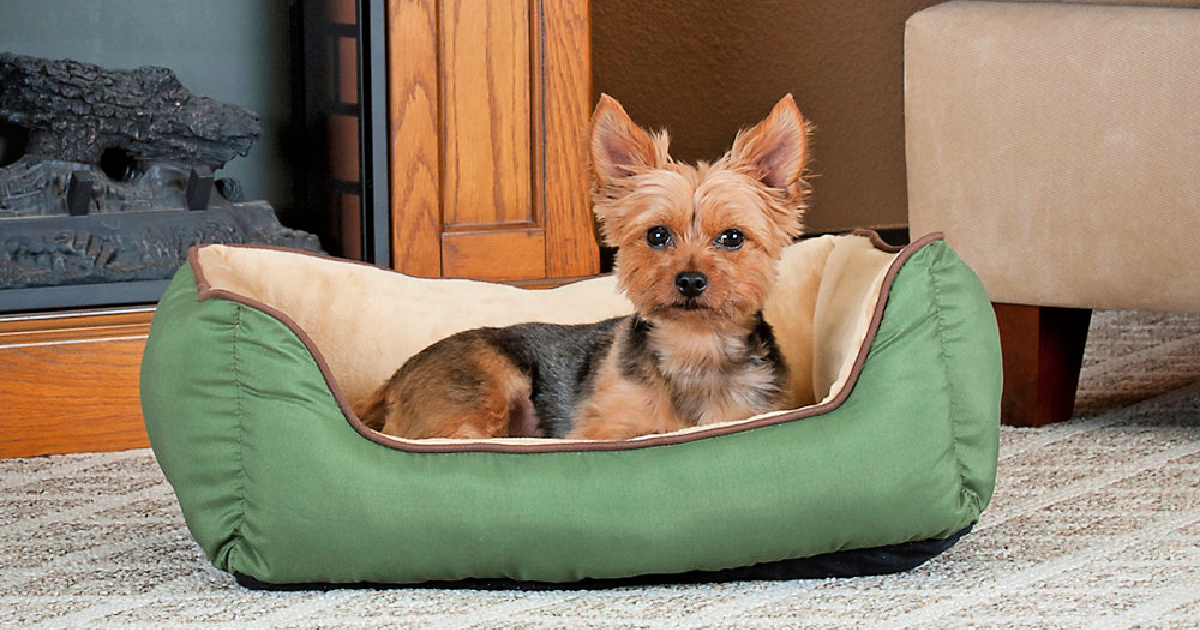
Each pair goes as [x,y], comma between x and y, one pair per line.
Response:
[1096,522]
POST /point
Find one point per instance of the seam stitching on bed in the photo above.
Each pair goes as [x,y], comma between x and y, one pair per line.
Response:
[240,417]
[951,394]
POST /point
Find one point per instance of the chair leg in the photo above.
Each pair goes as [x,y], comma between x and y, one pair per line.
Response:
[1042,350]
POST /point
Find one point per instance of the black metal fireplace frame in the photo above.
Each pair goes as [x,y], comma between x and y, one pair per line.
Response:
[314,106]
[374,133]
[82,296]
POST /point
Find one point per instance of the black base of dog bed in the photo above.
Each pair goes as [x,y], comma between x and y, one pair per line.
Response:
[840,564]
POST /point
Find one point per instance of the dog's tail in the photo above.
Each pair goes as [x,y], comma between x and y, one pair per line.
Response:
[373,409]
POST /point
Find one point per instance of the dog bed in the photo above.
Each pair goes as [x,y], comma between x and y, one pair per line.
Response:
[256,354]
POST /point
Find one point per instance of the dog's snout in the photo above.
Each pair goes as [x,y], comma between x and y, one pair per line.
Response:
[691,283]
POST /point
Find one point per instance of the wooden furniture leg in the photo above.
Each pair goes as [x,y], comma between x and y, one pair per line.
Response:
[1042,349]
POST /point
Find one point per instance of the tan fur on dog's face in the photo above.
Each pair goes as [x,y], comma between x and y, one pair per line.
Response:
[756,189]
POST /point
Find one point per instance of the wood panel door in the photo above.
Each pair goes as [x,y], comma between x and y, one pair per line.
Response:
[488,109]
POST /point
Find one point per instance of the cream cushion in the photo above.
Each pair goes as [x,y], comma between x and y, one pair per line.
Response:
[827,291]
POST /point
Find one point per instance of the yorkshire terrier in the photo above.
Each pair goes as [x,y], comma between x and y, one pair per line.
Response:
[697,252]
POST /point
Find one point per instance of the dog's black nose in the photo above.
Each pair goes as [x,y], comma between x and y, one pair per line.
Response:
[691,283]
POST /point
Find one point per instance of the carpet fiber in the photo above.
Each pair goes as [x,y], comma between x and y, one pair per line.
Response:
[1095,522]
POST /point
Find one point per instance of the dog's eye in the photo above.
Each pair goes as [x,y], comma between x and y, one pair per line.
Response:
[658,237]
[731,239]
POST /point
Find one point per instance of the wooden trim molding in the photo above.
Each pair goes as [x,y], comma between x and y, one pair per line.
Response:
[71,381]
[414,120]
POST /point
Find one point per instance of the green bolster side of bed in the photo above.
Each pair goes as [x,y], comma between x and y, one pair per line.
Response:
[971,354]
[275,483]
[192,411]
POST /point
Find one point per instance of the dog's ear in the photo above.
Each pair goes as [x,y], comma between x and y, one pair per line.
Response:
[619,148]
[776,149]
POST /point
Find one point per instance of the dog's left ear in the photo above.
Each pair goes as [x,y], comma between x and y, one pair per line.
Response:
[776,149]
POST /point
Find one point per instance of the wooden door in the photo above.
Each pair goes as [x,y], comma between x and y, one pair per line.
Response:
[488,109]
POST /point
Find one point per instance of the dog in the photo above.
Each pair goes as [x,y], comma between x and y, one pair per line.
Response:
[697,252]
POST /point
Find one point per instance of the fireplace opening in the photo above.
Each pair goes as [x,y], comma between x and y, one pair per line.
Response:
[14,139]
[298,69]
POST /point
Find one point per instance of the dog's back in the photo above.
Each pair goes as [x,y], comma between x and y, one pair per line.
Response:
[515,381]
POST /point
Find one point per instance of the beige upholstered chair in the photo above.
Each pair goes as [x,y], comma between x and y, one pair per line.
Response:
[1058,147]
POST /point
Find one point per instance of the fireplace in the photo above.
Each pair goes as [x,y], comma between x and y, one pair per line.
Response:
[100,211]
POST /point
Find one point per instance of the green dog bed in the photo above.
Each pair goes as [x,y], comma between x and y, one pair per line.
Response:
[256,355]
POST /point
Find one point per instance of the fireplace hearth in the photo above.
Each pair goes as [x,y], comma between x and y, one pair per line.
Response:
[116,181]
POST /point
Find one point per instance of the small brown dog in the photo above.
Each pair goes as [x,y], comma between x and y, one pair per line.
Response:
[698,248]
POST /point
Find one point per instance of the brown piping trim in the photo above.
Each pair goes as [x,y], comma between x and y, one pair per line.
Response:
[878,241]
[205,291]
[202,285]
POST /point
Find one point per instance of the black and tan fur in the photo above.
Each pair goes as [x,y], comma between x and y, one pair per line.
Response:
[698,248]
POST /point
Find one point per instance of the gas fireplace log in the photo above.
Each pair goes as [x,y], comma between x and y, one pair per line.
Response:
[115,160]
[75,111]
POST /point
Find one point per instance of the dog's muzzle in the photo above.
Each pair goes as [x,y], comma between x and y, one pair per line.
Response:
[691,283]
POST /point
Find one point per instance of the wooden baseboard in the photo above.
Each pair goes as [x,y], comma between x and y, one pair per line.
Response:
[70,381]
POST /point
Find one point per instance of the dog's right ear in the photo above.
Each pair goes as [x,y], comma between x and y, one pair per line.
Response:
[619,148]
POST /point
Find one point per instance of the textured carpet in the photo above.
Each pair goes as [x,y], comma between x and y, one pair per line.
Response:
[1095,522]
